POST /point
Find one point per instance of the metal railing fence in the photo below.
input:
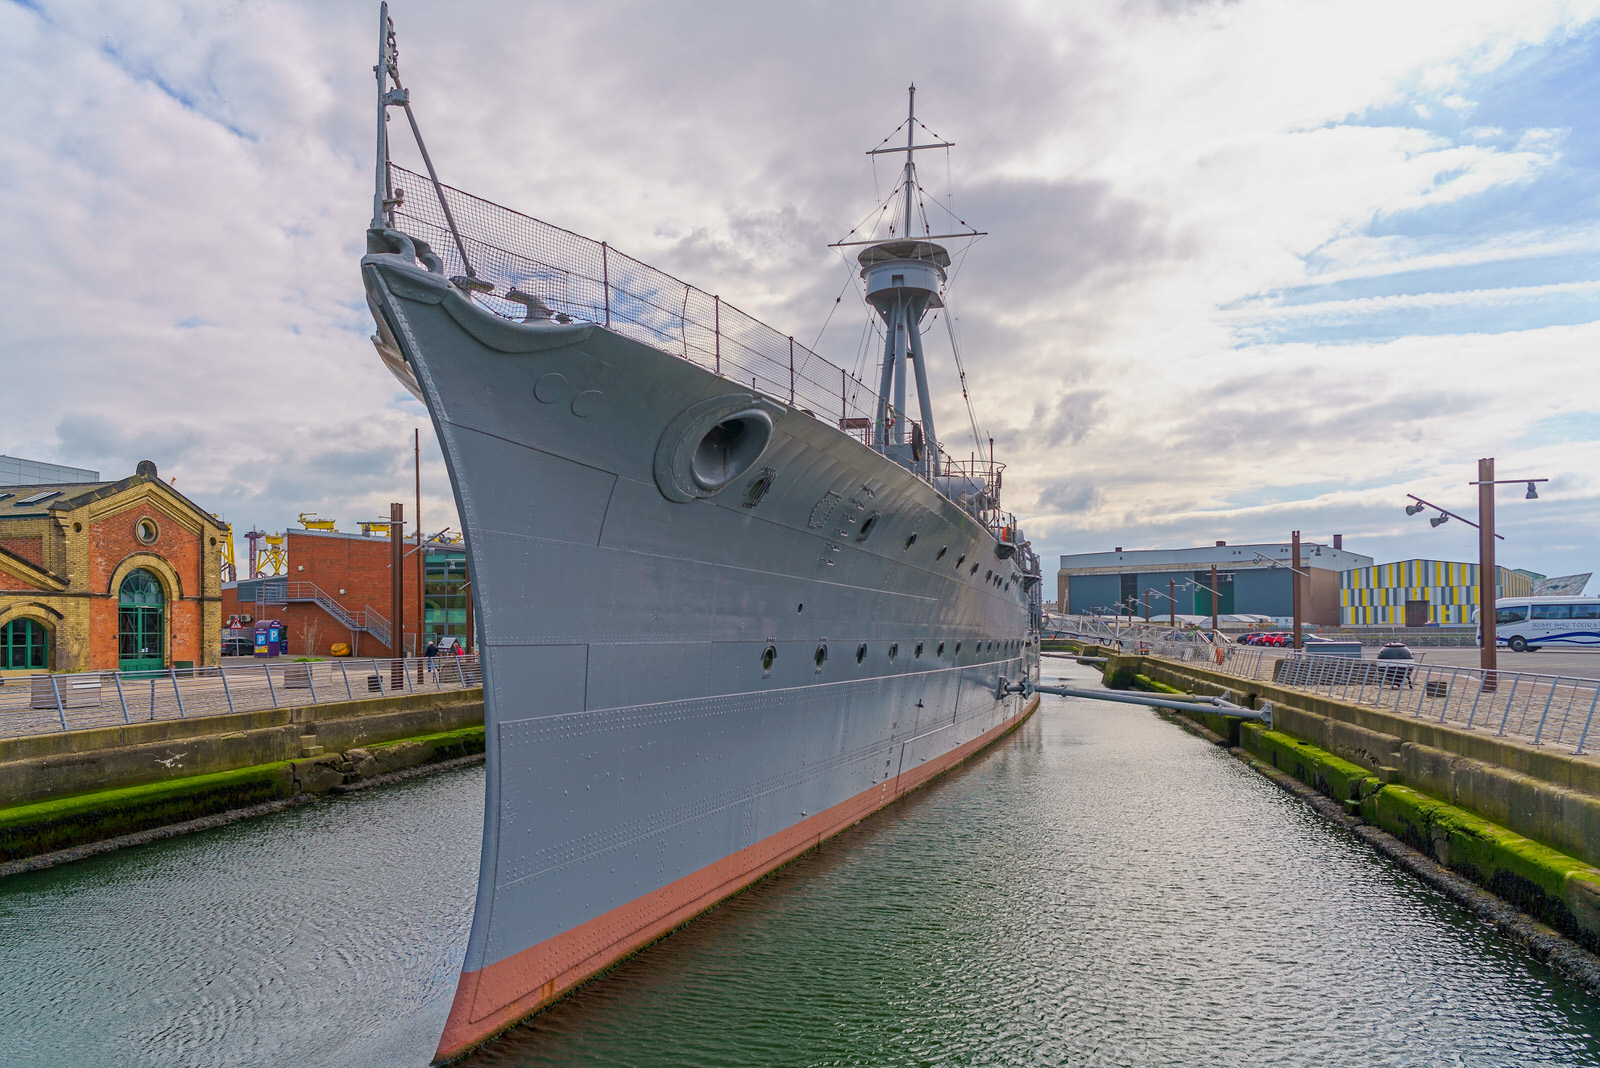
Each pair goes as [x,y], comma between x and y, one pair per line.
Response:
[1535,708]
[526,269]
[44,704]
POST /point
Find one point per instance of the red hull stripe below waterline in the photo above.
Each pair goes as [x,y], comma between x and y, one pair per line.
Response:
[495,998]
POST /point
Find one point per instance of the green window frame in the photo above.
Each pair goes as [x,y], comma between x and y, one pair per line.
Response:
[25,644]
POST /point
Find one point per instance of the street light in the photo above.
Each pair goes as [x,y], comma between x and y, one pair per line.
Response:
[1439,520]
[1487,586]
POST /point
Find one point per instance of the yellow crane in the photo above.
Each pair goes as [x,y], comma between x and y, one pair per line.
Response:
[310,521]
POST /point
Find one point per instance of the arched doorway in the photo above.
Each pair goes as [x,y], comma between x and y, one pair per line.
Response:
[141,623]
[24,643]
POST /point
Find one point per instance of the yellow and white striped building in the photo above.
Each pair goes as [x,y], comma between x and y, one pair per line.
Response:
[1434,591]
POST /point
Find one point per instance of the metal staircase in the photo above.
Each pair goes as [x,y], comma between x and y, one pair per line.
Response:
[366,619]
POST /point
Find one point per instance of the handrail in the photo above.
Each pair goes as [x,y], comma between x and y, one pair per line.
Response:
[526,269]
[50,703]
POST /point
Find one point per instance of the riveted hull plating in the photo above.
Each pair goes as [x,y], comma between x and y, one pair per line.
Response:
[680,694]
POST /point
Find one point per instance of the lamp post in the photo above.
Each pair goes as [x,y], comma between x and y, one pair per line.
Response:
[1488,652]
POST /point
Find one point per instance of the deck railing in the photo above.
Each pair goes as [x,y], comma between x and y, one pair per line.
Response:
[525,269]
[43,704]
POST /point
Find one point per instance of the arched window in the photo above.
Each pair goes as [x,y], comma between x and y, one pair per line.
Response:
[141,623]
[24,644]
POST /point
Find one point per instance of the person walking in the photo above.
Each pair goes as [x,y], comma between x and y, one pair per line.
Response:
[432,655]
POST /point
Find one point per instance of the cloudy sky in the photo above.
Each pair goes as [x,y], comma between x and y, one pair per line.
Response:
[1253,266]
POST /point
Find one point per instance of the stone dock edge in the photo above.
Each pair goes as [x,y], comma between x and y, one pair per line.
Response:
[42,834]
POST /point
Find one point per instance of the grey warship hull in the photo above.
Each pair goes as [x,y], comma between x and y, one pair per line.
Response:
[680,695]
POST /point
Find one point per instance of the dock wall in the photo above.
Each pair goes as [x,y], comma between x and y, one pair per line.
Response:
[44,766]
[64,792]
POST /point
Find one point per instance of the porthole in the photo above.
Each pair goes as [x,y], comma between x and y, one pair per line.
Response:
[77,528]
[917,653]
[974,570]
[988,575]
[820,655]
[861,652]
[961,559]
[958,648]
[894,651]
[941,649]
[940,554]
[146,531]
[866,526]
[911,539]
[768,656]
[801,607]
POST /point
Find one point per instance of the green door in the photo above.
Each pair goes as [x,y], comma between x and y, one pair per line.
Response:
[141,619]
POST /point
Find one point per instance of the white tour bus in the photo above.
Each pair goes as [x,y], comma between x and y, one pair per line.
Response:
[1525,623]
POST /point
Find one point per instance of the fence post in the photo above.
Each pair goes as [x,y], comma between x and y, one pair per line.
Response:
[311,683]
[1584,736]
[116,677]
[55,688]
[1511,699]
[271,689]
[1539,733]
[844,404]
[225,691]
[716,331]
[175,692]
[346,674]
[791,370]
[605,279]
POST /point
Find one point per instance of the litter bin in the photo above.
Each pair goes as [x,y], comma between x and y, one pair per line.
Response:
[1395,664]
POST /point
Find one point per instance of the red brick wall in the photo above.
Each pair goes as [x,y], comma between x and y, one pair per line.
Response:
[7,582]
[30,549]
[111,541]
[359,567]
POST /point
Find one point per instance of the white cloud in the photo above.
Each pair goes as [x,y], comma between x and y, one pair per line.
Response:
[191,185]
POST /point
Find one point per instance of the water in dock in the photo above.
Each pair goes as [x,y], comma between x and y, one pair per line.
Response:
[1100,889]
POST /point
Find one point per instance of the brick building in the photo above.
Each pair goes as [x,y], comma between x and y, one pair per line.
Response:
[101,575]
[337,592]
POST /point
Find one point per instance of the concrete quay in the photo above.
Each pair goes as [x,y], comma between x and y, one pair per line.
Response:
[63,790]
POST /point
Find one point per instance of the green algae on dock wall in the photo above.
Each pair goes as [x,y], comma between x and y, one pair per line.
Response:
[41,827]
[1549,885]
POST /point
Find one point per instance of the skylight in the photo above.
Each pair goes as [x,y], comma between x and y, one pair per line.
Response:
[37,497]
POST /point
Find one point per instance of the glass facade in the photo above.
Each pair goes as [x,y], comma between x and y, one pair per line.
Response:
[24,644]
[444,593]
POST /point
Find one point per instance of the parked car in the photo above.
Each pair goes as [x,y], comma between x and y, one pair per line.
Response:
[238,647]
[1247,638]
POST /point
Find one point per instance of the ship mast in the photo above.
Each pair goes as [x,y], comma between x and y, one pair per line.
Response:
[905,278]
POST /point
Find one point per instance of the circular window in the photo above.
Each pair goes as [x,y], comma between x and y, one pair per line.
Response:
[961,559]
[918,651]
[768,657]
[820,655]
[958,648]
[940,554]
[941,649]
[77,528]
[147,531]
[861,652]
[974,570]
[911,539]
[894,650]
